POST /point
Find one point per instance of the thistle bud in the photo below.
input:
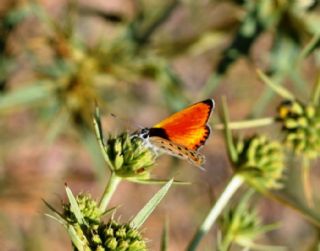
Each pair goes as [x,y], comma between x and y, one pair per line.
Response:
[260,162]
[88,208]
[239,226]
[242,225]
[110,237]
[128,156]
[98,235]
[301,127]
[122,237]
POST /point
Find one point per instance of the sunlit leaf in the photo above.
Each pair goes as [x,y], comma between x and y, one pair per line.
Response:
[144,213]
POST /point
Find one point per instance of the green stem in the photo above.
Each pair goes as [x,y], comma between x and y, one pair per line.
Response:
[143,36]
[246,124]
[306,181]
[310,46]
[216,210]
[232,151]
[226,243]
[281,91]
[316,92]
[113,183]
[165,236]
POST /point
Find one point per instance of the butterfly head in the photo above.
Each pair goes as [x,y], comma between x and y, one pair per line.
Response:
[144,133]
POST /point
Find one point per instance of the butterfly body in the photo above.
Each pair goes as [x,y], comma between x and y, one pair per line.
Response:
[181,134]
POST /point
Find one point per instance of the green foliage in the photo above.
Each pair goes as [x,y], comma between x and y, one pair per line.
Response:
[81,217]
[87,208]
[128,156]
[301,127]
[115,236]
[241,224]
[261,162]
[54,69]
[140,218]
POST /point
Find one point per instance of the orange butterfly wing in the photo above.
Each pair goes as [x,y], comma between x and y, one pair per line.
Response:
[187,127]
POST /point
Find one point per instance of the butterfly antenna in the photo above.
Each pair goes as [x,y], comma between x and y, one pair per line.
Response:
[126,121]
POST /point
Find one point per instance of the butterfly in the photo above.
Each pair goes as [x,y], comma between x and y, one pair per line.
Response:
[181,134]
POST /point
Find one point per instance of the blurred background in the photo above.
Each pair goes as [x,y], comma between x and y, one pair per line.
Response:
[142,60]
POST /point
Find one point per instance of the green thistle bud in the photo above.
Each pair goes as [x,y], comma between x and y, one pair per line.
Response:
[111,243]
[123,237]
[109,232]
[109,237]
[121,232]
[88,207]
[123,245]
[239,227]
[260,162]
[96,239]
[242,225]
[99,248]
[301,127]
[128,157]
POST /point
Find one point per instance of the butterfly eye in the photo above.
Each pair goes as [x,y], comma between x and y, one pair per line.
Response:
[144,134]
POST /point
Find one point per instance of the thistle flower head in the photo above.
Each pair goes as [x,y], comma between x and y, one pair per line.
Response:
[112,236]
[128,156]
[260,162]
[88,208]
[301,127]
[115,236]
[94,234]
[242,225]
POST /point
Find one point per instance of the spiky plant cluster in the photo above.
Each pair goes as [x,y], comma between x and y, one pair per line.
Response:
[112,236]
[260,162]
[92,234]
[242,225]
[88,208]
[128,157]
[301,127]
[115,236]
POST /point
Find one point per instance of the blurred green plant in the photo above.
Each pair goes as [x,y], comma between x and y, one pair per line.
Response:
[81,217]
[77,69]
[241,224]
[75,73]
[292,25]
[260,161]
[15,14]
[70,73]
[300,127]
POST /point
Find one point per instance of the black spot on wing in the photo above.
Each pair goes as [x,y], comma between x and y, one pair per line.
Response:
[158,132]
